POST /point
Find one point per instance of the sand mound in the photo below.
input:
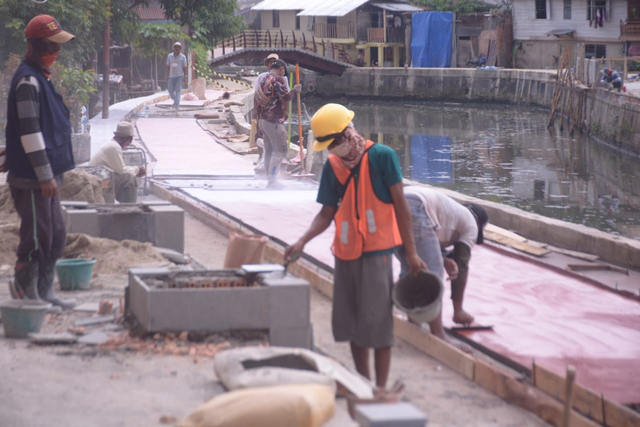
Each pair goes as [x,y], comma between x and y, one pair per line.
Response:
[113,257]
[8,212]
[9,239]
[80,186]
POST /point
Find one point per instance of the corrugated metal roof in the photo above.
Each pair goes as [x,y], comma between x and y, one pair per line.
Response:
[152,12]
[280,5]
[332,7]
[398,7]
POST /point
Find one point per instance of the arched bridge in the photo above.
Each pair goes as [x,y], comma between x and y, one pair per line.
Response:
[306,58]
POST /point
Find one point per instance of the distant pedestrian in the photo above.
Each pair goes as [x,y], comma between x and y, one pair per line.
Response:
[176,74]
[38,136]
[110,156]
[361,192]
[272,116]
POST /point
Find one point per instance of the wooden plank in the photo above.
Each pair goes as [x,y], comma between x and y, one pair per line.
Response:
[521,246]
[574,254]
[595,267]
[617,415]
[586,401]
[435,347]
[525,396]
[504,232]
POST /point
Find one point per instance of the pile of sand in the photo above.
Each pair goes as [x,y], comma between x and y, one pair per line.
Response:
[80,186]
[9,239]
[112,256]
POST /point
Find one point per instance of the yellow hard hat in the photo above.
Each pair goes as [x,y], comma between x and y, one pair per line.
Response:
[328,123]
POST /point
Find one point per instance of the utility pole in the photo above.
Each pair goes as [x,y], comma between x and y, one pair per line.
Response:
[105,58]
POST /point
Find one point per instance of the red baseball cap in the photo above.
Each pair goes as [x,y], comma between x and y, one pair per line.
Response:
[46,27]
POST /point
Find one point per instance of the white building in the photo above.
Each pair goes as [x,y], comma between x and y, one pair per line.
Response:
[599,28]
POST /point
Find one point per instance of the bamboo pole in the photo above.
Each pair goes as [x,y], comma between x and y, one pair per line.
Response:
[289,130]
[300,120]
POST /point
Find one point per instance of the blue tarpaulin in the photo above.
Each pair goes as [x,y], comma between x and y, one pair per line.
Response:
[431,159]
[431,39]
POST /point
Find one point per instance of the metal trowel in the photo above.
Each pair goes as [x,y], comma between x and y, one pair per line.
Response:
[293,259]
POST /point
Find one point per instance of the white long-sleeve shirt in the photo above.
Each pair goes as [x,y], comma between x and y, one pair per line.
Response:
[110,155]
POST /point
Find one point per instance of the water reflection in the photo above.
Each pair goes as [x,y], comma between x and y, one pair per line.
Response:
[506,154]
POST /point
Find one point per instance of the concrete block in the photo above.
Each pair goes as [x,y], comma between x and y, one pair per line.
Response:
[289,302]
[168,227]
[126,225]
[249,308]
[291,337]
[142,271]
[94,338]
[74,204]
[82,221]
[81,147]
[389,415]
[148,203]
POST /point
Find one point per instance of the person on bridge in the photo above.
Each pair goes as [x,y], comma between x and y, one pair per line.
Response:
[38,136]
[110,155]
[440,222]
[611,79]
[272,97]
[361,190]
[176,73]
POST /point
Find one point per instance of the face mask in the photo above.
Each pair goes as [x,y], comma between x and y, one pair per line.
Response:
[48,59]
[341,150]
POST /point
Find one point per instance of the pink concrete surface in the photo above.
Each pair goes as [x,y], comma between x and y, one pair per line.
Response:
[537,313]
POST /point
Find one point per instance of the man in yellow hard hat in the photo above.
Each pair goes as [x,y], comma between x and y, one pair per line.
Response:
[361,189]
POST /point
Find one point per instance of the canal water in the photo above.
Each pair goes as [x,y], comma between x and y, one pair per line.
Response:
[506,154]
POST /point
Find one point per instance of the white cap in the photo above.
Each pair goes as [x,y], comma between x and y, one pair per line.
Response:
[177,44]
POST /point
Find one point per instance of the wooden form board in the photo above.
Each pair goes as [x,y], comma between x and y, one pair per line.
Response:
[446,353]
[516,244]
[542,399]
[585,401]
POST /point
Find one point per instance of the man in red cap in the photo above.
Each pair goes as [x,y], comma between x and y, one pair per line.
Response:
[38,152]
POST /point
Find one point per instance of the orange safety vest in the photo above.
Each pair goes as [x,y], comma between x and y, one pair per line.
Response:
[364,223]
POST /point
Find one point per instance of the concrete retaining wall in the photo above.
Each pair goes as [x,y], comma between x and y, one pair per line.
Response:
[612,116]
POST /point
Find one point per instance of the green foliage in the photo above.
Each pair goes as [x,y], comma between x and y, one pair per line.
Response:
[83,18]
[75,85]
[456,6]
[201,65]
[210,20]
[9,66]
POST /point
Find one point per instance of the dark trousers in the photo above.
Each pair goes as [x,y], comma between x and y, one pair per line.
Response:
[42,230]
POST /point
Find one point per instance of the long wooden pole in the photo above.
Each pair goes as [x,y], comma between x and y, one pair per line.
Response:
[300,120]
[568,395]
[289,130]
[105,59]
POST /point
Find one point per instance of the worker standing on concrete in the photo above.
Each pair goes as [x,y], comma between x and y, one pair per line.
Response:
[268,61]
[611,79]
[176,74]
[273,111]
[38,136]
[110,156]
[440,222]
[361,190]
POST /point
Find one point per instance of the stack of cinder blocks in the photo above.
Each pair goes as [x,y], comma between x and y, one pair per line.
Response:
[159,223]
[281,306]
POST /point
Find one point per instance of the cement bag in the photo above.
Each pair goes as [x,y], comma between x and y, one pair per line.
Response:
[199,86]
[306,405]
[244,249]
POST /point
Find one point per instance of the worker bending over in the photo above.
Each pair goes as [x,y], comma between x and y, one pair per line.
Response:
[361,190]
[440,222]
[611,79]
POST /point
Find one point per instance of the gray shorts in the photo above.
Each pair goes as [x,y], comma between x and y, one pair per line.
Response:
[362,304]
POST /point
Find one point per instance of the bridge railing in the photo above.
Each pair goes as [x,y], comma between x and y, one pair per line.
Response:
[334,31]
[283,39]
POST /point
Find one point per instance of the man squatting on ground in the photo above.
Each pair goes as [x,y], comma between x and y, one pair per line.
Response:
[175,74]
[268,61]
[361,189]
[38,136]
[272,96]
[440,222]
[110,155]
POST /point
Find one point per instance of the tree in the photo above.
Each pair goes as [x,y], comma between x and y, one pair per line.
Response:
[456,6]
[150,37]
[84,18]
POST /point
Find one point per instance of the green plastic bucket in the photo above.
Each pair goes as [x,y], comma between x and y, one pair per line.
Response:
[419,296]
[21,317]
[75,273]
